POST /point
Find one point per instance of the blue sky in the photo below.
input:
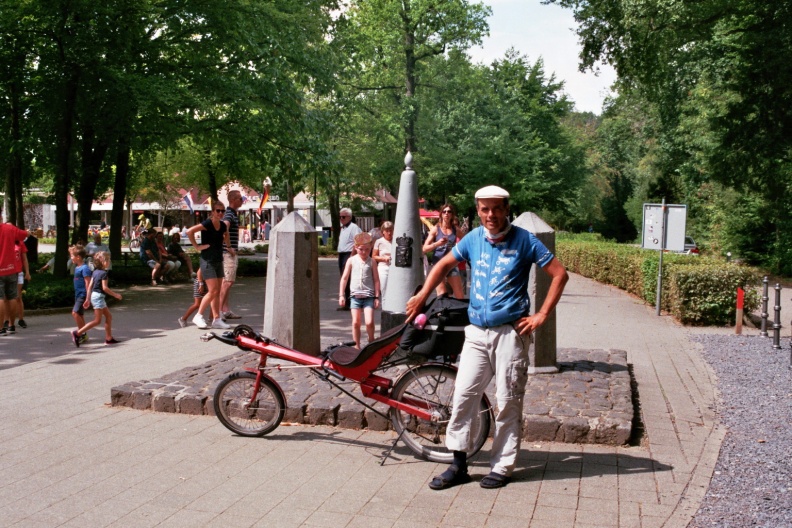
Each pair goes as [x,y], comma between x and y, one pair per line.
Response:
[545,31]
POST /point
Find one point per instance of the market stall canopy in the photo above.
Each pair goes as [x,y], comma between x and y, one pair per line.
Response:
[428,214]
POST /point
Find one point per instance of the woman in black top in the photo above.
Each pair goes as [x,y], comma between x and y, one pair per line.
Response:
[213,233]
[444,236]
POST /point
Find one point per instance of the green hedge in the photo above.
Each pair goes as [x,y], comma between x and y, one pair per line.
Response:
[46,291]
[697,290]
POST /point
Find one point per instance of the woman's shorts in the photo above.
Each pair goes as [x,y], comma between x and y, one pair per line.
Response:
[212,269]
[98,300]
[453,273]
[361,302]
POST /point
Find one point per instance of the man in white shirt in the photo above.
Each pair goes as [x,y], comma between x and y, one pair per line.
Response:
[95,247]
[346,243]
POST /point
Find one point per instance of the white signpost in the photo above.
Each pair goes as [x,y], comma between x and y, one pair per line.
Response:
[663,229]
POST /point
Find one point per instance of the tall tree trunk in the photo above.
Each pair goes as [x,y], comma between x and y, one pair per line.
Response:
[410,143]
[334,203]
[211,176]
[93,153]
[15,211]
[289,197]
[63,170]
[119,196]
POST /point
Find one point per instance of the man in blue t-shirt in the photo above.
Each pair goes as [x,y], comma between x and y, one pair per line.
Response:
[499,336]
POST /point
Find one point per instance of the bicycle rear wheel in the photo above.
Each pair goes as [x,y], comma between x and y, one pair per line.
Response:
[234,409]
[134,243]
[432,387]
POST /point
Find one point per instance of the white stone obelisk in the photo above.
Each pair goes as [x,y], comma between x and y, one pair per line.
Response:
[544,350]
[406,271]
[291,303]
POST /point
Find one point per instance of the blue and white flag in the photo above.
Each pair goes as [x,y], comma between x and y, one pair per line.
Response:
[189,201]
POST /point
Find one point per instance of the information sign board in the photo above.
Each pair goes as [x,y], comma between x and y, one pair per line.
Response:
[676,220]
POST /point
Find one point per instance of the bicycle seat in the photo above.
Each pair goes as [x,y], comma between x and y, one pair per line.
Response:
[348,356]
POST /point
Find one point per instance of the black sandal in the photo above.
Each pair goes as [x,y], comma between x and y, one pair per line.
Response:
[449,478]
[494,480]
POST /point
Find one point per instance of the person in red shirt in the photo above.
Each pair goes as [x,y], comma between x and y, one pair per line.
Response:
[9,271]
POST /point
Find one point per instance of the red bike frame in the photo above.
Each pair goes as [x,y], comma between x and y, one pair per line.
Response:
[372,386]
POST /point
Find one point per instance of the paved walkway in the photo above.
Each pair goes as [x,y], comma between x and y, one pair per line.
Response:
[68,459]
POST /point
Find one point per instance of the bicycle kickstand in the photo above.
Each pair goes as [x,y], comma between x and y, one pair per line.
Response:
[386,456]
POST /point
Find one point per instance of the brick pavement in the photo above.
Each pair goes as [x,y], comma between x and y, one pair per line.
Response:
[588,400]
[68,458]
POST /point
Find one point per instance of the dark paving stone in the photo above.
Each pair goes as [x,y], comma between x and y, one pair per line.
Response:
[588,401]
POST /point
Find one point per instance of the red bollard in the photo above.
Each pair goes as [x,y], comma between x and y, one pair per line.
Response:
[740,300]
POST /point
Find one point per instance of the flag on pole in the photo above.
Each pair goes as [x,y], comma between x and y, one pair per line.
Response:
[189,201]
[264,195]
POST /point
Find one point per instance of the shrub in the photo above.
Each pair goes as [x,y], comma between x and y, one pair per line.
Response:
[697,290]
[47,291]
[705,293]
[252,268]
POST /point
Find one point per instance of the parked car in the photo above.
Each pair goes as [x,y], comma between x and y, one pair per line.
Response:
[691,248]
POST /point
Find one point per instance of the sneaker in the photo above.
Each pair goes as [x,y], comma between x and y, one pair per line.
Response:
[12,329]
[22,323]
[153,282]
[111,341]
[219,323]
[193,275]
[200,322]
[83,338]
[164,280]
[75,338]
[182,322]
[3,331]
[230,315]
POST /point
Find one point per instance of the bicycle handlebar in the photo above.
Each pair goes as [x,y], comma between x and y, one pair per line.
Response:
[211,335]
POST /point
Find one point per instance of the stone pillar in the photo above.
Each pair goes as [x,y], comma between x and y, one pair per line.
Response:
[406,271]
[291,304]
[543,360]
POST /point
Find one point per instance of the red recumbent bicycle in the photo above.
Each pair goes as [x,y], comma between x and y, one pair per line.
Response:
[251,403]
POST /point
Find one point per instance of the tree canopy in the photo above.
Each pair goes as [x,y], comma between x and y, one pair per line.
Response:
[715,74]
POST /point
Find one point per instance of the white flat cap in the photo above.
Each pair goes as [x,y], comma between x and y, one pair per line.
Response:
[492,191]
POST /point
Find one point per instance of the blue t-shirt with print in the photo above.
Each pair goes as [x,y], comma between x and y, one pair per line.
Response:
[81,273]
[499,274]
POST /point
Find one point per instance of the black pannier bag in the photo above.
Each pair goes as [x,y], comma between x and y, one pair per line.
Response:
[444,333]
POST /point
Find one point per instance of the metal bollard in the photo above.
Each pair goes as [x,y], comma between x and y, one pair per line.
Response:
[765,298]
[777,318]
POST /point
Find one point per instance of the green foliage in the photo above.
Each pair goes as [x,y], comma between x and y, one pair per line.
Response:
[252,268]
[704,294]
[697,290]
[713,81]
[498,124]
[48,291]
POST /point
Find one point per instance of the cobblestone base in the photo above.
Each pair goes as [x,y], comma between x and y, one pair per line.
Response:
[588,401]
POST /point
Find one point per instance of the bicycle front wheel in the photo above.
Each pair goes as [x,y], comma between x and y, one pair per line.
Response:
[236,411]
[134,243]
[431,387]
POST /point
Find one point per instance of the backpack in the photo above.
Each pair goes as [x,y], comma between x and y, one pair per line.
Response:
[444,333]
